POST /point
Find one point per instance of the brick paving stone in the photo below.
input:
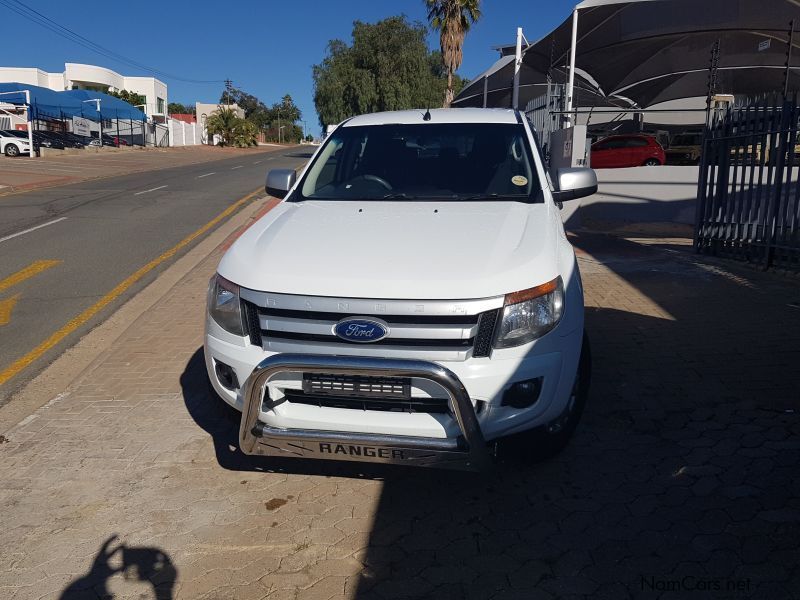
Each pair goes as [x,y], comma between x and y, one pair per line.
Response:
[685,464]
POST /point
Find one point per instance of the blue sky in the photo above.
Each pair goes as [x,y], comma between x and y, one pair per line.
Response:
[266,47]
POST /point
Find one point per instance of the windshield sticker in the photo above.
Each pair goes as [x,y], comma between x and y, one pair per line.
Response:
[519,180]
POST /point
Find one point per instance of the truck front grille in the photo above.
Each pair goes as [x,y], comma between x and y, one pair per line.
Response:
[457,334]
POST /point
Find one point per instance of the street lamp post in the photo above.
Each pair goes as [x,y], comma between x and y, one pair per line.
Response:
[279,133]
[99,116]
[144,110]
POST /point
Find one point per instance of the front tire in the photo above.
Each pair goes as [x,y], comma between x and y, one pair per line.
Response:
[12,150]
[652,162]
[546,441]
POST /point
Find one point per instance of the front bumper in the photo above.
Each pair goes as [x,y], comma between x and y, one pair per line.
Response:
[465,451]
[554,359]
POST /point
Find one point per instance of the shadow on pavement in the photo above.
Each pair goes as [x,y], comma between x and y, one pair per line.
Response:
[135,563]
[681,477]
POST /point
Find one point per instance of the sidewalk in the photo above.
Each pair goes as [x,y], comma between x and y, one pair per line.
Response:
[23,173]
[685,465]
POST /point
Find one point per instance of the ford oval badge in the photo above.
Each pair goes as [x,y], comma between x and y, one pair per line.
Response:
[362,330]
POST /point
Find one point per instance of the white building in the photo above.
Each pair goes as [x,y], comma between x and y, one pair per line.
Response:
[90,77]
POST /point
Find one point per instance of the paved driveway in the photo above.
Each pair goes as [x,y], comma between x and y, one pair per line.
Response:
[681,481]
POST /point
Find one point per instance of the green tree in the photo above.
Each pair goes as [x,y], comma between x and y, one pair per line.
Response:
[254,109]
[285,114]
[180,109]
[267,119]
[452,19]
[388,66]
[130,97]
[245,133]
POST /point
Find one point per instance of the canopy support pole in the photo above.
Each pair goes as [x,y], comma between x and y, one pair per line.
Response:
[31,154]
[517,65]
[571,82]
[485,90]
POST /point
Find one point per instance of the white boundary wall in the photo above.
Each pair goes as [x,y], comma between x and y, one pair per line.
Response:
[184,134]
[664,194]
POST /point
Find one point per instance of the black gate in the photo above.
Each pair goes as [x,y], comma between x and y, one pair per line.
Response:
[747,193]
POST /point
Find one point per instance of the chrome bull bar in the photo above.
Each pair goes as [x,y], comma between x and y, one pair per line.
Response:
[468,451]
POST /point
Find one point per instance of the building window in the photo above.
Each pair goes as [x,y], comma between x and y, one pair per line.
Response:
[160,106]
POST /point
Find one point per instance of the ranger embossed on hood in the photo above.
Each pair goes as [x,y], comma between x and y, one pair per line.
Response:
[402,250]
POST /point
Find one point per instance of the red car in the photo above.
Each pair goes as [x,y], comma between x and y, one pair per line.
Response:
[627,151]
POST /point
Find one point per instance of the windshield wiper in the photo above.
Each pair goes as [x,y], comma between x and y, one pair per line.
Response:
[398,196]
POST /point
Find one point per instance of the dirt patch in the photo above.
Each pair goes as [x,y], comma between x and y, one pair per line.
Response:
[275,503]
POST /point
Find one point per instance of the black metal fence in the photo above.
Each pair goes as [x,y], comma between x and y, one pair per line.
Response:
[116,131]
[748,188]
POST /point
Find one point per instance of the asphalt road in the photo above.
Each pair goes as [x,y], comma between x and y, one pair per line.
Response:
[63,249]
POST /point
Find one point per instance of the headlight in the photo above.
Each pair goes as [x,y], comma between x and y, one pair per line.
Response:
[224,305]
[530,314]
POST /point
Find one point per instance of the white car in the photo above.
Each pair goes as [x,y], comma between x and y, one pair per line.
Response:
[14,143]
[413,299]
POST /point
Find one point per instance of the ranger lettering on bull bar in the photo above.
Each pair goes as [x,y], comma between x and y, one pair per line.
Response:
[366,451]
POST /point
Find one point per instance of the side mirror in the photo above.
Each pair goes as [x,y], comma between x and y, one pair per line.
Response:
[280,181]
[577,182]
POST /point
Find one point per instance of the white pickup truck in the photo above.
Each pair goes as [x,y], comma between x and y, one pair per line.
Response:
[413,299]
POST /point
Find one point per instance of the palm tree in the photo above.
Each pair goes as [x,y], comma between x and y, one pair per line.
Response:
[223,122]
[452,19]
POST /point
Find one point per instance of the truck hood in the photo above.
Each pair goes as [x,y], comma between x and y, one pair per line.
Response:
[402,250]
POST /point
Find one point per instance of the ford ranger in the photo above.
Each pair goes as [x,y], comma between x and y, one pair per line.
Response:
[413,299]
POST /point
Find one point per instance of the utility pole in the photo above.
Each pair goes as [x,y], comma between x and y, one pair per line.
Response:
[228,88]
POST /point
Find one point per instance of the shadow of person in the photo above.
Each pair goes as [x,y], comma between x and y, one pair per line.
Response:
[135,563]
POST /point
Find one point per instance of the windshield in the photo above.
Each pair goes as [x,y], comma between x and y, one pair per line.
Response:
[453,161]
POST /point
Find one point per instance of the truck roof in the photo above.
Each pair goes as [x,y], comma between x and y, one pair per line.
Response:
[438,115]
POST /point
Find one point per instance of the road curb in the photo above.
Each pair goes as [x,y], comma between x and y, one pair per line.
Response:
[80,360]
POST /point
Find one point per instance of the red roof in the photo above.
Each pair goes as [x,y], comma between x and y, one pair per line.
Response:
[186,118]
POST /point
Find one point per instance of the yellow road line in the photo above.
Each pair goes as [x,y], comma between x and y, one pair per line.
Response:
[17,366]
[6,306]
[26,273]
